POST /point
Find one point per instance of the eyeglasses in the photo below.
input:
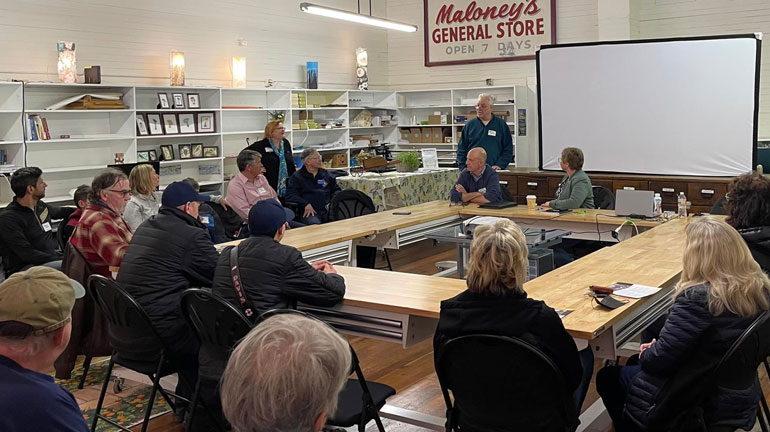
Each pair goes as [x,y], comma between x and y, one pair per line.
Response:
[281,128]
[123,193]
[483,106]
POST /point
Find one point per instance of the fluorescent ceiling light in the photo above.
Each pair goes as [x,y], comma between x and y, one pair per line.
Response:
[355,17]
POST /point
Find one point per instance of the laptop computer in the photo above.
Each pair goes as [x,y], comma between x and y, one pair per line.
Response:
[634,203]
[498,205]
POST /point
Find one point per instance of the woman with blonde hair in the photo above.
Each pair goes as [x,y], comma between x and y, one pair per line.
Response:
[145,199]
[721,292]
[276,157]
[496,303]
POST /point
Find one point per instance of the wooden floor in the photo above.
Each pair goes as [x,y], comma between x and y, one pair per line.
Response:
[410,371]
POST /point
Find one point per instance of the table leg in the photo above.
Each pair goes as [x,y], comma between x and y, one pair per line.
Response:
[460,261]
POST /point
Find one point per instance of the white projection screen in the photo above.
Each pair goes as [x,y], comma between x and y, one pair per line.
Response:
[674,107]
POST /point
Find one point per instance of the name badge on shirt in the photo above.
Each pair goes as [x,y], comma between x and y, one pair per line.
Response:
[492,133]
[262,190]
[268,150]
[204,220]
[322,182]
[483,190]
[47,226]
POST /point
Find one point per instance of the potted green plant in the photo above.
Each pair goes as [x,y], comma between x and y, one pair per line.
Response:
[410,161]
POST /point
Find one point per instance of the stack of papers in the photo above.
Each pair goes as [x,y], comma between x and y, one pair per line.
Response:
[634,291]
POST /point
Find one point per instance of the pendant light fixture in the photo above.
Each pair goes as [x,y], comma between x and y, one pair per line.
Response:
[356,17]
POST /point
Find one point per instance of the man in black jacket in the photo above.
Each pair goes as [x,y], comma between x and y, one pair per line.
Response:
[169,253]
[312,189]
[26,235]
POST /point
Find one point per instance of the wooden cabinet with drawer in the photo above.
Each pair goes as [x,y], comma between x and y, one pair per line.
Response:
[705,193]
[509,183]
[630,184]
[553,186]
[531,185]
[668,190]
[603,183]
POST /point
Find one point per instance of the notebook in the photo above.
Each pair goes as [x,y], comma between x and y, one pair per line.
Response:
[498,205]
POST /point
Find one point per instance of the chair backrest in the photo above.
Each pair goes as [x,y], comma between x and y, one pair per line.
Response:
[506,194]
[603,198]
[738,367]
[75,265]
[6,193]
[128,322]
[502,383]
[719,206]
[350,203]
[218,324]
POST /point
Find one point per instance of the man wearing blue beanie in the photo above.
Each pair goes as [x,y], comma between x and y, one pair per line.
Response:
[169,253]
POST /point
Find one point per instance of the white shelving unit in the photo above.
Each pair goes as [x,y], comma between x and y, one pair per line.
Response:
[240,114]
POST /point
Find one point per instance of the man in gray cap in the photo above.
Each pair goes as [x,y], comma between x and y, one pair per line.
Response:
[169,253]
[35,325]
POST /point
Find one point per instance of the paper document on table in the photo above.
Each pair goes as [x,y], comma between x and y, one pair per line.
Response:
[563,313]
[636,291]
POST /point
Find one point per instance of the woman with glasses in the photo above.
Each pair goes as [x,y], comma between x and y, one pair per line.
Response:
[276,157]
[575,190]
[720,293]
[748,211]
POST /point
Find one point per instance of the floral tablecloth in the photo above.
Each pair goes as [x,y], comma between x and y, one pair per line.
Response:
[398,189]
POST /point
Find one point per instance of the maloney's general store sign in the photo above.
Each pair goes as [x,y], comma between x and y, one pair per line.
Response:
[459,31]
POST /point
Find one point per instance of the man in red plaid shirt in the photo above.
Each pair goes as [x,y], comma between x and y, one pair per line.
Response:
[102,236]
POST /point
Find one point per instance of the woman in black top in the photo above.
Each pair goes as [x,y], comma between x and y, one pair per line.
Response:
[276,157]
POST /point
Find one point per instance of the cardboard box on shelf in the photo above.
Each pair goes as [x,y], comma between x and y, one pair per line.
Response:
[405,134]
[438,136]
[415,135]
[339,160]
[437,119]
[427,135]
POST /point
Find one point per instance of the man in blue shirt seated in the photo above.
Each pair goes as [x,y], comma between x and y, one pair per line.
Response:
[312,188]
[478,182]
[488,132]
[35,327]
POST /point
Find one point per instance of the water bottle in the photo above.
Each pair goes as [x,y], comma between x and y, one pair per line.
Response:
[657,204]
[682,205]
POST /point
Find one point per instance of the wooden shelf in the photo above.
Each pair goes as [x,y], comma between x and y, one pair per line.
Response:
[177,110]
[242,132]
[176,161]
[84,139]
[76,168]
[212,134]
[89,111]
[11,142]
[319,109]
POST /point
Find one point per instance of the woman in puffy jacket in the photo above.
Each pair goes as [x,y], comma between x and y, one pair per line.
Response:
[721,292]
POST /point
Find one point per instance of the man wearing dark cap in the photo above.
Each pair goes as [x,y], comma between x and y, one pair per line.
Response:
[35,326]
[169,253]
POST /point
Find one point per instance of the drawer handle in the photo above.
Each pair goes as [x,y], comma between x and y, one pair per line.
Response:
[668,190]
[629,188]
[503,182]
[707,191]
[532,184]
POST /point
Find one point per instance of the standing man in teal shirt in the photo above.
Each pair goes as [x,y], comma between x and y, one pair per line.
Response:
[489,132]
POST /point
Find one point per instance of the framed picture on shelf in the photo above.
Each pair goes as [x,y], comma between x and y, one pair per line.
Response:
[193,101]
[142,156]
[167,152]
[185,151]
[197,150]
[170,125]
[155,124]
[141,125]
[153,155]
[178,99]
[206,122]
[186,123]
[163,101]
[210,151]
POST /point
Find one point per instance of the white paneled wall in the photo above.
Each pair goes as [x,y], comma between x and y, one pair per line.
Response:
[671,18]
[131,40]
[576,21]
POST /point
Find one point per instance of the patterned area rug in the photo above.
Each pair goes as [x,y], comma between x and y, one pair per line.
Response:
[130,406]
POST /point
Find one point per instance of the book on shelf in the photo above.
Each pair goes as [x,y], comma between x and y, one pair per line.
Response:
[86,101]
[3,157]
[37,129]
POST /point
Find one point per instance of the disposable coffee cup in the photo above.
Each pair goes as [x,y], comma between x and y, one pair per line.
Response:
[531,202]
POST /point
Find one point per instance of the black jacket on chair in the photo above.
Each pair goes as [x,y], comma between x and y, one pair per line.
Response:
[169,253]
[674,368]
[275,276]
[270,160]
[513,315]
[25,239]
[758,240]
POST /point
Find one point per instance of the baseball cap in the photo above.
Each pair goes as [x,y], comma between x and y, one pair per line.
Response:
[37,301]
[265,217]
[180,193]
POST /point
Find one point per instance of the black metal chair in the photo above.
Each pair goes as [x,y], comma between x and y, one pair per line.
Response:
[137,345]
[506,194]
[360,400]
[502,383]
[351,203]
[219,326]
[603,198]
